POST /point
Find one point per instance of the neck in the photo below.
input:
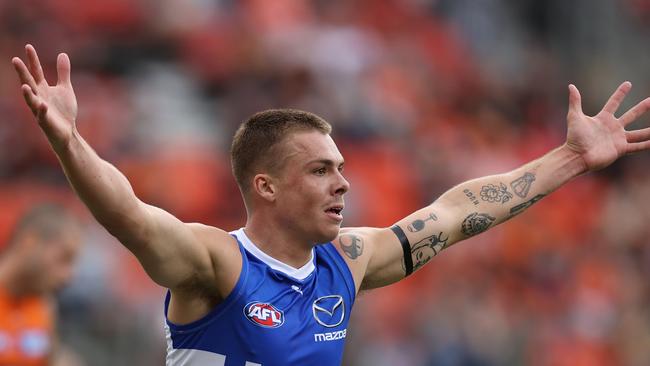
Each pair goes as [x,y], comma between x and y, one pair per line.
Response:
[279,243]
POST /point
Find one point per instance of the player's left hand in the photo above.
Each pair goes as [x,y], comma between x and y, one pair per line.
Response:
[601,139]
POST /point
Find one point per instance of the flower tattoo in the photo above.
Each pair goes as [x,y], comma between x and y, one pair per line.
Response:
[493,193]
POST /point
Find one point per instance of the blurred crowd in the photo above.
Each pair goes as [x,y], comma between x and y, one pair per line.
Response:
[422,94]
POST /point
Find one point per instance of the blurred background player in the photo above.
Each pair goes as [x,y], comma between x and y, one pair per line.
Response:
[37,261]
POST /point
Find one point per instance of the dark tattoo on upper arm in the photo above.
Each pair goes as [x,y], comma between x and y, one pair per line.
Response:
[493,193]
[428,248]
[418,224]
[521,185]
[476,223]
[352,245]
[471,196]
[522,206]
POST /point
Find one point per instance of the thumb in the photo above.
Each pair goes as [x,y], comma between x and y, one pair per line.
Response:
[575,102]
[41,112]
[63,69]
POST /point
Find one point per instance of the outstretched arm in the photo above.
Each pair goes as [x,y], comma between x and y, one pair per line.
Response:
[478,205]
[172,253]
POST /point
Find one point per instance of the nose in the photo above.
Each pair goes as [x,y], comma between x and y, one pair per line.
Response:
[342,185]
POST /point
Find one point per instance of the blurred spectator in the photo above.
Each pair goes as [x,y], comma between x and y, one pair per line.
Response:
[36,262]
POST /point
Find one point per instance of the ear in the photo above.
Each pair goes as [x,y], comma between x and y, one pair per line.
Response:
[264,186]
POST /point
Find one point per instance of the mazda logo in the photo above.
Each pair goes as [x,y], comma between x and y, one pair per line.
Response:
[329,311]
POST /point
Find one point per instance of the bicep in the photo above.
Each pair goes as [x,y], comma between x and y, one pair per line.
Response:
[418,237]
[173,252]
[372,254]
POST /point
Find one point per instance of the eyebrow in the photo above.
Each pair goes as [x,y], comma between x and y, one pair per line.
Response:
[327,162]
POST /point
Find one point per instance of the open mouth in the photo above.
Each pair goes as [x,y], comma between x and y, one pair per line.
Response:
[335,212]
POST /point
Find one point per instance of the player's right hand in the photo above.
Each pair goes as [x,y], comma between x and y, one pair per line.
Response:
[55,107]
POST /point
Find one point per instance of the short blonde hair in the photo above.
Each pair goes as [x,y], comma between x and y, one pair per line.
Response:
[252,146]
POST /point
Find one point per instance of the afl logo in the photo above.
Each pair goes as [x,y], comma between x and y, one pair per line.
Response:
[329,311]
[264,314]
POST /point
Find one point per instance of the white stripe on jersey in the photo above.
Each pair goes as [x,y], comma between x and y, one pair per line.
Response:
[194,357]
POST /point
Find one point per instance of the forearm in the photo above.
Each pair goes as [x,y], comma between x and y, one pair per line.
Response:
[103,189]
[477,205]
[480,204]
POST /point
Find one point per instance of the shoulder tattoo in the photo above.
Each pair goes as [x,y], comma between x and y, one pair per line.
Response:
[352,245]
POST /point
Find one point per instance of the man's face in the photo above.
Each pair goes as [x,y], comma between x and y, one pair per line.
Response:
[311,186]
[53,261]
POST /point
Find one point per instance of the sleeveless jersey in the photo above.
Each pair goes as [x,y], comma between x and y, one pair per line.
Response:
[275,316]
[26,327]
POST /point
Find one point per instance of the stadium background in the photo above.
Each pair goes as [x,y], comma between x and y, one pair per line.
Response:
[423,94]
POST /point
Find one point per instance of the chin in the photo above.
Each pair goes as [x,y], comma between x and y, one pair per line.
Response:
[328,235]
